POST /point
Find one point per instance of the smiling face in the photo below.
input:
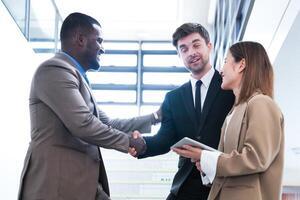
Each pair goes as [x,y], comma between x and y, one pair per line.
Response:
[194,52]
[232,73]
[93,48]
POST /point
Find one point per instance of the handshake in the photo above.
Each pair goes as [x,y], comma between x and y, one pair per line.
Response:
[137,144]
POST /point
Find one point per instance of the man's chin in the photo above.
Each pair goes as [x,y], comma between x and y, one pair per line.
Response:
[95,66]
[196,69]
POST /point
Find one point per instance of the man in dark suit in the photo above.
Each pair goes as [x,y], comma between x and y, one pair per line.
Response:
[196,110]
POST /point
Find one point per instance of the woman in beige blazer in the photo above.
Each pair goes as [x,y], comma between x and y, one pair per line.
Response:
[249,163]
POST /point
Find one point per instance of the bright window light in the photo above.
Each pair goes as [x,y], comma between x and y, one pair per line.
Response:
[112,77]
[162,61]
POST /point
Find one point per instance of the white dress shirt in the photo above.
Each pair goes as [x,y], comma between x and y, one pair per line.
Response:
[206,79]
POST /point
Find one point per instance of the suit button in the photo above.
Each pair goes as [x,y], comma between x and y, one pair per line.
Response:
[198,137]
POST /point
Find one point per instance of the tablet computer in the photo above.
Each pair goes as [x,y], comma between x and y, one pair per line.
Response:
[192,142]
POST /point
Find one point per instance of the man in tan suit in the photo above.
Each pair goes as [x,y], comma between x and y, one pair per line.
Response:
[67,128]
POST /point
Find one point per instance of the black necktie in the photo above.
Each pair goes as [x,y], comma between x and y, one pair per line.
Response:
[198,100]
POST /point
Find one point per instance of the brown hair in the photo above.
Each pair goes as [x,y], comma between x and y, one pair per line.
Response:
[187,29]
[258,73]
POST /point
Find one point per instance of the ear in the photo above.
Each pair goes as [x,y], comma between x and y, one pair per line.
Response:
[210,46]
[80,39]
[242,65]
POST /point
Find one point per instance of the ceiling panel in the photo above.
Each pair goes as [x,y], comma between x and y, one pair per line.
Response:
[139,19]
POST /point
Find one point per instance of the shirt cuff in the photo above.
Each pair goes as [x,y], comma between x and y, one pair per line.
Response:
[205,179]
[208,162]
[156,118]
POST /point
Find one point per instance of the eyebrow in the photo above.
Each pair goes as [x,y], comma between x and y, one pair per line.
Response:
[195,40]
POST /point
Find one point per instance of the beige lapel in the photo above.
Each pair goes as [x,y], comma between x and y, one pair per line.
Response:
[234,128]
[221,143]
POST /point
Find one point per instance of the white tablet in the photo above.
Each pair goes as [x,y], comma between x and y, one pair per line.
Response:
[192,142]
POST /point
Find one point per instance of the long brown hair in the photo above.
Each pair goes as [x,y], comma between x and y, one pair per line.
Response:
[258,73]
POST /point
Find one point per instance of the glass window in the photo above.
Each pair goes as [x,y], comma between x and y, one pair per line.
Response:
[121,45]
[42,20]
[146,109]
[112,77]
[115,96]
[154,96]
[162,61]
[119,60]
[165,78]
[41,57]
[119,111]
[42,44]
[157,46]
[17,11]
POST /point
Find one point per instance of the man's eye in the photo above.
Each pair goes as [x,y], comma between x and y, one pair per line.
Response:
[183,50]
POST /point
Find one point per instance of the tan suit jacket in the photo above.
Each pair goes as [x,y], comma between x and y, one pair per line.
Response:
[63,160]
[252,164]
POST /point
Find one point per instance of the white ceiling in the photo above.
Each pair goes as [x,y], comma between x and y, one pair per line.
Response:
[139,19]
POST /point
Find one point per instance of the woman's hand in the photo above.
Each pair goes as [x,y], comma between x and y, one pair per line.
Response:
[188,151]
[198,166]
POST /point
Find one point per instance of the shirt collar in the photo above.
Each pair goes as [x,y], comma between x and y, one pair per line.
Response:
[206,79]
[77,65]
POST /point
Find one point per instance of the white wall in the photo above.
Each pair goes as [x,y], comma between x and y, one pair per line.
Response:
[17,65]
[287,94]
[270,22]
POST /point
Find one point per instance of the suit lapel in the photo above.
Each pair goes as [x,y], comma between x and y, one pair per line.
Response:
[58,58]
[92,98]
[187,99]
[232,135]
[221,143]
[213,90]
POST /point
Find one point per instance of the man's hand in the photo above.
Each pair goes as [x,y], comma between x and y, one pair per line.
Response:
[137,145]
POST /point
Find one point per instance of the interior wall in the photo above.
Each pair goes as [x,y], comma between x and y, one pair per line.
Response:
[287,94]
[17,66]
[270,22]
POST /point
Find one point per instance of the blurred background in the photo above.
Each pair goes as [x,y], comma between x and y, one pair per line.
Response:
[140,65]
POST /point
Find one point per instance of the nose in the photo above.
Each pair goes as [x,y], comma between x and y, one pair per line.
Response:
[192,52]
[101,50]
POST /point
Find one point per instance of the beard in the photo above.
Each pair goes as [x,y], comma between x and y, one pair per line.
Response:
[94,65]
[197,69]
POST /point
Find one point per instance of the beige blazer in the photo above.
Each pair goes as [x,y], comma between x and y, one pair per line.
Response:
[252,164]
[63,160]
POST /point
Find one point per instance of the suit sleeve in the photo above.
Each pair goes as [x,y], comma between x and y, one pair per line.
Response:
[58,88]
[264,134]
[165,137]
[141,123]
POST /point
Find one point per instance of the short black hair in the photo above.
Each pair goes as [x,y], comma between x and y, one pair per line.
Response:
[74,21]
[188,28]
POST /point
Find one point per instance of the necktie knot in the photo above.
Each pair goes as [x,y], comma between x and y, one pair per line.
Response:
[198,83]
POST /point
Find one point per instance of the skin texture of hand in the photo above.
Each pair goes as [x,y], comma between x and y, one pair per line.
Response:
[198,165]
[132,150]
[194,153]
[136,134]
